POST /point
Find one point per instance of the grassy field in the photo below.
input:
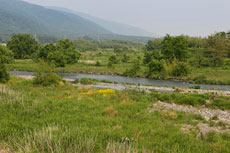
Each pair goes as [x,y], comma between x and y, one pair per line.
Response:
[83,119]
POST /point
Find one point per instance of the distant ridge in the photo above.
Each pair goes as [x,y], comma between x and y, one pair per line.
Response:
[17,16]
[115,27]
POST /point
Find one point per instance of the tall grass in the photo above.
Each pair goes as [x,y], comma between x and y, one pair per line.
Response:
[70,119]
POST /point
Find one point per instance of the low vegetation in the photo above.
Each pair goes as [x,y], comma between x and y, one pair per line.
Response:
[65,118]
[196,60]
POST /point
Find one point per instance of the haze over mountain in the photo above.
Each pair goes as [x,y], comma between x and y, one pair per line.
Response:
[18,16]
[22,17]
[115,27]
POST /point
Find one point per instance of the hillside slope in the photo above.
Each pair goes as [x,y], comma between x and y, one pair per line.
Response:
[115,27]
[22,17]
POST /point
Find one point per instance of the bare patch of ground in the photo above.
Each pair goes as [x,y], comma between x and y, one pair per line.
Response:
[204,129]
[218,115]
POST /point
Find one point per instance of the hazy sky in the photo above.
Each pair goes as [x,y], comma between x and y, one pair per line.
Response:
[193,17]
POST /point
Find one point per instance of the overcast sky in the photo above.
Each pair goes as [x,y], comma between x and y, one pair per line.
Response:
[192,17]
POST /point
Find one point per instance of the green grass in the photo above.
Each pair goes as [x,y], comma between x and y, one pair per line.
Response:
[83,119]
[194,99]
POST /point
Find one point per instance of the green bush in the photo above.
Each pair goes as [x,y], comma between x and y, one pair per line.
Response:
[187,99]
[195,87]
[181,69]
[113,59]
[46,79]
[98,63]
[6,56]
[45,76]
[4,75]
[86,81]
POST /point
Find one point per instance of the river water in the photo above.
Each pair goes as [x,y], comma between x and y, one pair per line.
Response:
[122,79]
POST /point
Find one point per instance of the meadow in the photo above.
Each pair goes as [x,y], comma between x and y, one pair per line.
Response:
[67,118]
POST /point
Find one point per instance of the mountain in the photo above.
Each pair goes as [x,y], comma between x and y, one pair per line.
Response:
[115,27]
[17,16]
[21,17]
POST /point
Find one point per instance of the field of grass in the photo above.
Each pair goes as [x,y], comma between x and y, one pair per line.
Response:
[83,119]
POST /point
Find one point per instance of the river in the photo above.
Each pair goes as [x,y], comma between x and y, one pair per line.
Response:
[122,79]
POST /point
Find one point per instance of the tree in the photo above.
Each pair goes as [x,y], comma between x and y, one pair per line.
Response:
[113,59]
[68,49]
[175,47]
[6,56]
[154,54]
[134,69]
[181,69]
[22,45]
[153,44]
[61,54]
[44,51]
[217,50]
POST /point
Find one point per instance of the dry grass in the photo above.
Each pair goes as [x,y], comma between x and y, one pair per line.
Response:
[48,139]
[10,96]
[114,147]
[111,111]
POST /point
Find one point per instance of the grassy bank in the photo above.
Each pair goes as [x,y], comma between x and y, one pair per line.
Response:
[198,75]
[83,119]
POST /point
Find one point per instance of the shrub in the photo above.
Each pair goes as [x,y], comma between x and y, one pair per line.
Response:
[133,70]
[181,69]
[98,63]
[195,87]
[46,79]
[86,81]
[45,76]
[6,56]
[113,59]
[4,75]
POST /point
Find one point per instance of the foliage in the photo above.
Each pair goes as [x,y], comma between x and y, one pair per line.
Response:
[6,56]
[22,45]
[86,81]
[112,60]
[154,54]
[181,69]
[133,70]
[217,49]
[4,75]
[125,58]
[85,45]
[45,76]
[175,47]
[154,44]
[61,54]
